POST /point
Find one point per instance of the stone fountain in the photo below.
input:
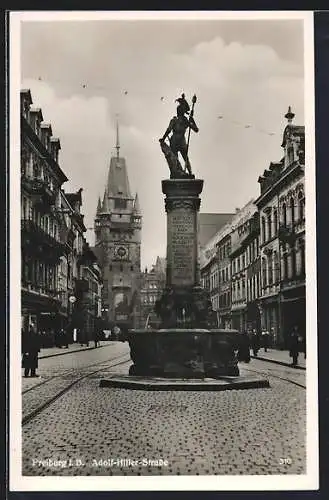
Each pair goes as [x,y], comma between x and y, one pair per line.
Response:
[188,350]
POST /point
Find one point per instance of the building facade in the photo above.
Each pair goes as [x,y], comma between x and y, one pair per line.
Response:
[42,245]
[281,206]
[240,234]
[152,284]
[224,272]
[88,294]
[118,225]
[52,232]
[253,275]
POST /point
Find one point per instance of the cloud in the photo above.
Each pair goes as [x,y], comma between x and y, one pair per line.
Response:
[244,83]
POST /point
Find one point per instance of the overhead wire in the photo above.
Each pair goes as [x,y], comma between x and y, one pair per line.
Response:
[86,86]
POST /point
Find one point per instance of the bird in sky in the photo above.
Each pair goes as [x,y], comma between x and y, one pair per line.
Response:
[162,98]
[126,92]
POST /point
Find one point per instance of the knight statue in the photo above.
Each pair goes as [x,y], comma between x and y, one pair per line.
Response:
[177,142]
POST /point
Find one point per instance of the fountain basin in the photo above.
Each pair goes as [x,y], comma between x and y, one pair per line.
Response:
[184,353]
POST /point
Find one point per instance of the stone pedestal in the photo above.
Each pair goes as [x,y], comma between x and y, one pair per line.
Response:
[182,203]
[184,304]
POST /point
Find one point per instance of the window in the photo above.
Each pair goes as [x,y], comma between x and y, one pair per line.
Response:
[264,272]
[270,269]
[263,230]
[120,203]
[275,222]
[269,223]
[301,206]
[276,275]
[292,210]
[284,214]
[285,264]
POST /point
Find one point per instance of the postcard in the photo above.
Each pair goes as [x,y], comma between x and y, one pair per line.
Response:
[163,320]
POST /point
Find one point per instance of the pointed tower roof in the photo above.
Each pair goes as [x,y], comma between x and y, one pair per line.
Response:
[117,181]
[104,204]
[99,206]
[137,208]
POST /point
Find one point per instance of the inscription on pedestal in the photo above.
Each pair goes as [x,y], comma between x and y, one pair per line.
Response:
[182,242]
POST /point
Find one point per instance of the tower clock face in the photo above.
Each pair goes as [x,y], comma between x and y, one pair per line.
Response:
[121,252]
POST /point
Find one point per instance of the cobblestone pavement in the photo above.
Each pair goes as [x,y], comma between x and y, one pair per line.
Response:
[230,432]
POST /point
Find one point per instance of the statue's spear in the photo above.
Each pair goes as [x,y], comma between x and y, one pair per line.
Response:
[189,129]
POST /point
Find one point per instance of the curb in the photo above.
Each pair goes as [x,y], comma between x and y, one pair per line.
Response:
[147,384]
[282,363]
[69,352]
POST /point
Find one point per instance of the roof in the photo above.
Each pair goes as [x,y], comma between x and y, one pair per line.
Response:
[210,224]
[137,208]
[117,181]
[292,130]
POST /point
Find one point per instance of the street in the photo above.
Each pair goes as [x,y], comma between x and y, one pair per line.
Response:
[71,426]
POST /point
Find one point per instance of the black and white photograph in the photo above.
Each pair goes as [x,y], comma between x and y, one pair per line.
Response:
[163,320]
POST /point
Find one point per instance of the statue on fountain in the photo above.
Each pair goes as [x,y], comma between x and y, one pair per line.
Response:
[177,142]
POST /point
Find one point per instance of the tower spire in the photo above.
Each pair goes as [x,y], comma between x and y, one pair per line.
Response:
[118,139]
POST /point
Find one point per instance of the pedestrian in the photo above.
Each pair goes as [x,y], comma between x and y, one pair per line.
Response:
[63,338]
[265,339]
[58,338]
[303,346]
[294,345]
[30,350]
[244,348]
[254,342]
[96,337]
[116,332]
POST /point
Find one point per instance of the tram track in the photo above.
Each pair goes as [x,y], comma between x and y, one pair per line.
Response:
[68,372]
[54,398]
[269,374]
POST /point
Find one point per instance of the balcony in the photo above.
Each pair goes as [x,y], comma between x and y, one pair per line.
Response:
[39,241]
[39,190]
[41,290]
[287,233]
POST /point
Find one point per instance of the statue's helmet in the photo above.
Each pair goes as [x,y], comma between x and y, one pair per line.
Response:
[183,106]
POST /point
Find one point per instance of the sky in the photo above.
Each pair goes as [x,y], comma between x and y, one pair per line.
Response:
[82,74]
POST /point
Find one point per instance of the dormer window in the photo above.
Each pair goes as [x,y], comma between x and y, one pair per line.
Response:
[120,203]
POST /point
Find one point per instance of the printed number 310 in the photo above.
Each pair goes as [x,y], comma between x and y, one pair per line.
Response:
[285,461]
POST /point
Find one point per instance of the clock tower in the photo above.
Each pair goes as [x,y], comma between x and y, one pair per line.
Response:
[118,225]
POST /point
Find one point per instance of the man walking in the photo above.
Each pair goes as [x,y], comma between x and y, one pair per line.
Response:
[294,346]
[30,349]
[254,342]
[265,339]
